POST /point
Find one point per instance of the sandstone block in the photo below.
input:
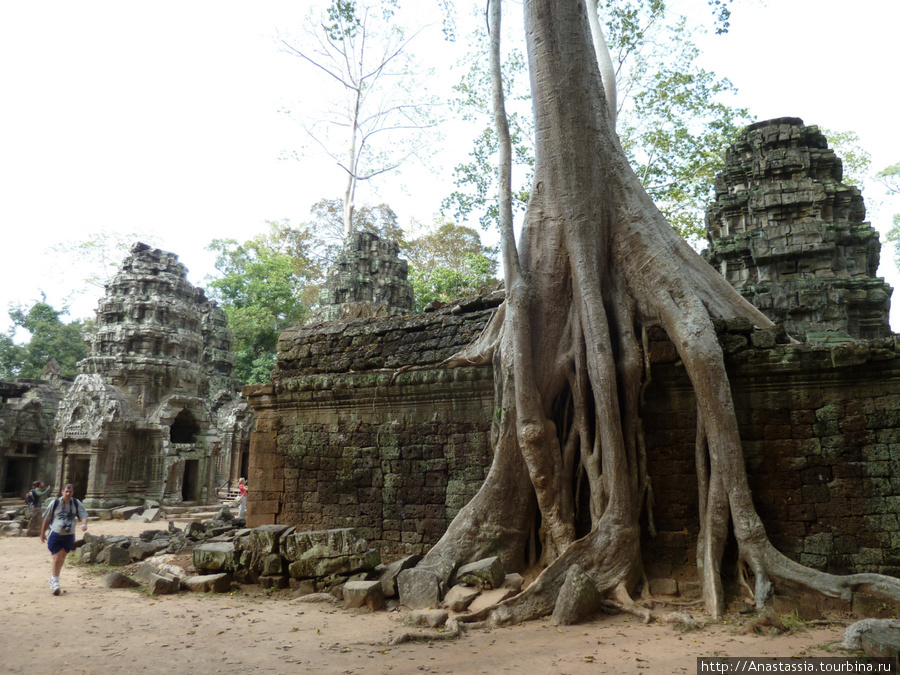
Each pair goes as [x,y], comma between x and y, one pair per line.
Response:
[214,557]
[419,588]
[364,594]
[460,597]
[118,580]
[208,583]
[162,585]
[484,574]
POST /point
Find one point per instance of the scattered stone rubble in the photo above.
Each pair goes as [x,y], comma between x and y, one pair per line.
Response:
[326,565]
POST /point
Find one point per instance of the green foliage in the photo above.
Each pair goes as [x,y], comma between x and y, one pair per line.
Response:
[673,118]
[271,282]
[261,288]
[447,262]
[856,161]
[50,339]
[673,123]
[890,179]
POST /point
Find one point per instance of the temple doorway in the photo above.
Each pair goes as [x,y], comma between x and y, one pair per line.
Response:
[190,484]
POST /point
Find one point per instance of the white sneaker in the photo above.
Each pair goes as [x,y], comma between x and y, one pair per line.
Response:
[54,586]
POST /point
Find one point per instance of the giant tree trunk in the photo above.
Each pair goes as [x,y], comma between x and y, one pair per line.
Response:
[598,264]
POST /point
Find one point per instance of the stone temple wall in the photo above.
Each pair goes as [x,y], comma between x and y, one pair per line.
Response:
[792,238]
[342,439]
[27,453]
[820,426]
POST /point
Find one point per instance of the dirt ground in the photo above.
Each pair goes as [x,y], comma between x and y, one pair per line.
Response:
[93,629]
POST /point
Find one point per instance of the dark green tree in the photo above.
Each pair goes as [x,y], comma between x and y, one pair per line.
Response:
[263,286]
[50,339]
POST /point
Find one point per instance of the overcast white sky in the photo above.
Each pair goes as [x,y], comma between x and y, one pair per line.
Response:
[163,118]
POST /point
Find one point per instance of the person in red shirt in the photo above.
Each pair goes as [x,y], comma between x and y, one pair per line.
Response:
[242,490]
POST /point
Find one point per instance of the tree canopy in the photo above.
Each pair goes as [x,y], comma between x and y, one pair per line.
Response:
[51,339]
[674,119]
[264,285]
[448,261]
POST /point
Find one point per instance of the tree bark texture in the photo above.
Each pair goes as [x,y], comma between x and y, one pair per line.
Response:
[597,265]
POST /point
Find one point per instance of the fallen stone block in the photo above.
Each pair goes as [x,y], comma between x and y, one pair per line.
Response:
[147,516]
[578,598]
[663,587]
[266,539]
[125,512]
[35,523]
[513,581]
[460,597]
[224,514]
[492,597]
[419,588]
[11,529]
[150,535]
[208,583]
[214,557]
[118,580]
[271,564]
[195,530]
[483,574]
[113,555]
[145,571]
[89,554]
[161,584]
[341,542]
[302,586]
[277,581]
[364,594]
[387,574]
[141,550]
[315,566]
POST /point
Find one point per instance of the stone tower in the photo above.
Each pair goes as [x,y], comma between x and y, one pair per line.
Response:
[367,278]
[153,413]
[792,238]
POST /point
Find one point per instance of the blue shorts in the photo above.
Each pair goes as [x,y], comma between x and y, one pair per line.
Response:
[57,542]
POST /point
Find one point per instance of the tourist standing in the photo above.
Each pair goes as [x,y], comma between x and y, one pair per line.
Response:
[40,491]
[61,516]
[242,491]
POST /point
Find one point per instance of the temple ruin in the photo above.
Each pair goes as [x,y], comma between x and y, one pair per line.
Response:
[349,435]
[792,238]
[368,278]
[153,412]
[27,412]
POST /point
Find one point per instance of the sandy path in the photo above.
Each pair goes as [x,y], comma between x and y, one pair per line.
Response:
[93,629]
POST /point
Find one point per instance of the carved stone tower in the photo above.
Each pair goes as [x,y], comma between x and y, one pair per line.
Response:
[367,278]
[153,413]
[792,238]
